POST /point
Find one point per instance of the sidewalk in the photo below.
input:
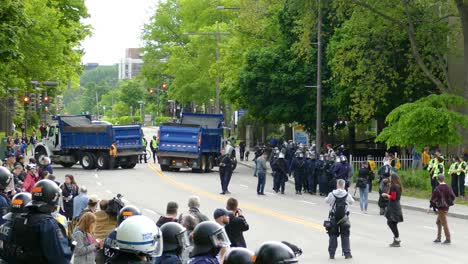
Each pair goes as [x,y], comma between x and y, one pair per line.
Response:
[409,203]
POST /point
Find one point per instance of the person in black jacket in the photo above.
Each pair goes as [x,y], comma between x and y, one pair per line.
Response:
[237,224]
[280,170]
[225,171]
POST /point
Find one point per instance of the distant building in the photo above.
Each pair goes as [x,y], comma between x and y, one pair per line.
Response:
[130,66]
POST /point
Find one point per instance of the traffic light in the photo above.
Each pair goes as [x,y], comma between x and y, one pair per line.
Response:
[46,99]
[164,86]
[151,91]
[26,100]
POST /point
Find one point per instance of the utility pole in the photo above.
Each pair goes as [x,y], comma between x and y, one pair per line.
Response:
[318,129]
[218,88]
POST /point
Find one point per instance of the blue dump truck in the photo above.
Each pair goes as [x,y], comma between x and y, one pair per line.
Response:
[195,142]
[76,139]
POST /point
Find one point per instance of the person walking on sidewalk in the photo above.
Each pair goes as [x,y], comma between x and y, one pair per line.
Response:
[393,212]
[442,198]
[261,173]
[362,183]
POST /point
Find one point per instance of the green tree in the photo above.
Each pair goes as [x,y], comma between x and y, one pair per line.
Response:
[428,121]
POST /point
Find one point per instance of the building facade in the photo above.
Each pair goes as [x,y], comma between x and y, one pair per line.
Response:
[130,66]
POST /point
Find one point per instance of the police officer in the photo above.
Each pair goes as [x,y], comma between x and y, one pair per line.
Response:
[312,175]
[110,242]
[238,256]
[138,239]
[18,207]
[154,147]
[280,170]
[298,167]
[342,170]
[144,144]
[209,238]
[225,169]
[37,235]
[322,175]
[5,178]
[174,243]
[273,252]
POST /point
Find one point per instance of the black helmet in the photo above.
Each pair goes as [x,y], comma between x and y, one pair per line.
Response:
[18,204]
[273,252]
[45,196]
[207,237]
[5,178]
[238,256]
[175,237]
[126,212]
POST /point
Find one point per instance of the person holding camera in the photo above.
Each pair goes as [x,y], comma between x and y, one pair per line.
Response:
[362,183]
[237,224]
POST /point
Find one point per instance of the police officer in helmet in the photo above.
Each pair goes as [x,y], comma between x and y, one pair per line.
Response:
[238,256]
[37,235]
[138,240]
[208,239]
[18,207]
[273,252]
[110,243]
[175,240]
[5,179]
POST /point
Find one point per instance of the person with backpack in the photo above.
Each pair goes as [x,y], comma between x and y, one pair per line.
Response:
[362,183]
[339,224]
[442,198]
[393,212]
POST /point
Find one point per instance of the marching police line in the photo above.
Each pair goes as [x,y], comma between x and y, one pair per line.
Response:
[31,234]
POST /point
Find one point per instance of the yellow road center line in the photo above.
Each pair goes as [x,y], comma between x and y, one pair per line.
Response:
[223,199]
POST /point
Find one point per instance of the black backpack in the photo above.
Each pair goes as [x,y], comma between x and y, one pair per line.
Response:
[340,206]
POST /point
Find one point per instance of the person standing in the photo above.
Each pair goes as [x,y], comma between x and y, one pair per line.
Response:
[237,224]
[393,213]
[113,155]
[86,243]
[280,170]
[31,178]
[225,171]
[261,173]
[339,200]
[363,184]
[372,166]
[80,202]
[106,218]
[194,210]
[298,167]
[33,141]
[5,178]
[442,198]
[171,214]
[154,147]
[144,144]
[425,158]
[416,160]
[457,171]
[69,191]
[242,150]
[209,240]
[174,243]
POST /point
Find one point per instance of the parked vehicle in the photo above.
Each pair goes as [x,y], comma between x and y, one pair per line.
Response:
[73,139]
[195,142]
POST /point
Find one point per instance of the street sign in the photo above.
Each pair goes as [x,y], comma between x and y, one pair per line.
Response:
[300,135]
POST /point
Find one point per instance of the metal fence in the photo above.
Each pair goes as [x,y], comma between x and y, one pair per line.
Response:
[406,162]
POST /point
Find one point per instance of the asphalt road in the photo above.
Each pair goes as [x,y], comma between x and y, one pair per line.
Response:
[289,217]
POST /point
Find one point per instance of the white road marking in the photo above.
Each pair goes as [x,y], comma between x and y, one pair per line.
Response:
[150,211]
[245,186]
[99,183]
[108,191]
[308,202]
[96,175]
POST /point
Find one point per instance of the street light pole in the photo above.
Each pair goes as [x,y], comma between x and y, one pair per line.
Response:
[318,125]
[218,88]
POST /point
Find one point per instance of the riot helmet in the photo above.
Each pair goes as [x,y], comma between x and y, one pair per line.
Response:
[343,158]
[175,237]
[273,252]
[238,256]
[45,196]
[139,235]
[281,156]
[209,237]
[126,212]
[5,178]
[18,205]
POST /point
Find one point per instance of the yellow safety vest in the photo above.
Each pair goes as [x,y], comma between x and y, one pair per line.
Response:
[432,162]
[462,167]
[437,170]
[154,143]
[453,168]
[143,142]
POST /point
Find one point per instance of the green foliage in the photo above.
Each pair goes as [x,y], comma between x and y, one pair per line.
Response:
[114,121]
[129,120]
[162,119]
[428,121]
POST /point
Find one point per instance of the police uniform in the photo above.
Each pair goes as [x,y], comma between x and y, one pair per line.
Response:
[225,172]
[110,244]
[168,258]
[298,166]
[4,206]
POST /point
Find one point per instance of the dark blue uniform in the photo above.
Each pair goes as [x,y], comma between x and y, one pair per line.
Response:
[168,258]
[127,258]
[4,207]
[298,166]
[225,172]
[312,177]
[109,244]
[39,238]
[5,242]
[206,259]
[322,177]
[280,169]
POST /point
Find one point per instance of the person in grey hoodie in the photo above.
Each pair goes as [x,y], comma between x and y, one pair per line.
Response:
[339,200]
[261,173]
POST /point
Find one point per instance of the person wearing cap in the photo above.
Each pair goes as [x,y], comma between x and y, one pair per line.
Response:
[171,214]
[31,178]
[221,216]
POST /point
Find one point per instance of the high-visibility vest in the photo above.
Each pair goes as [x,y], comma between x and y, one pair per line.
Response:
[154,144]
[113,150]
[439,168]
[463,167]
[144,142]
[453,168]
[432,163]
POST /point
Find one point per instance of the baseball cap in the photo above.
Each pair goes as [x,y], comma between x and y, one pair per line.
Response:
[220,212]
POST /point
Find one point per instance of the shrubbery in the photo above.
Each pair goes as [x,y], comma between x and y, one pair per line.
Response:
[162,119]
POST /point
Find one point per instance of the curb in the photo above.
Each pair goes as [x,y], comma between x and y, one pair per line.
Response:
[404,206]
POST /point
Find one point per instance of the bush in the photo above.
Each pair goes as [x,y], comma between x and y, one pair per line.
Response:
[114,121]
[162,119]
[129,120]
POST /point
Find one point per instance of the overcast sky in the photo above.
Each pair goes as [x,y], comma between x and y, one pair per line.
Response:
[117,25]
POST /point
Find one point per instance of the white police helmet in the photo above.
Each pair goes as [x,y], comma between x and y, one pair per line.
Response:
[281,155]
[228,149]
[139,234]
[343,158]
